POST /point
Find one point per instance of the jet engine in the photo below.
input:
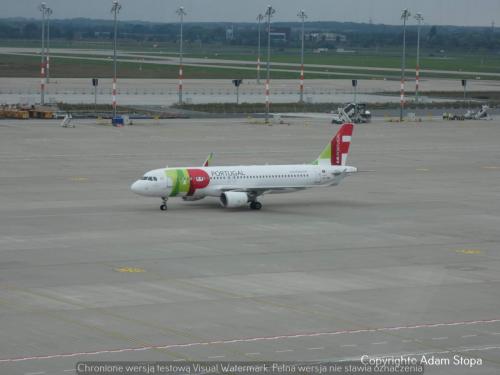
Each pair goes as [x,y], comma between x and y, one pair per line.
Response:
[233,199]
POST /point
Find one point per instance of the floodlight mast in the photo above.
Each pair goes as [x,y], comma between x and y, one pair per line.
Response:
[115,9]
[269,13]
[47,47]
[302,15]
[42,8]
[260,17]
[404,16]
[181,13]
[420,18]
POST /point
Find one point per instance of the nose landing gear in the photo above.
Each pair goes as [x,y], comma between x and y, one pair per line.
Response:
[163,207]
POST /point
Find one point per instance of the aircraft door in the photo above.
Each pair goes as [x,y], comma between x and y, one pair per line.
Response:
[317,177]
[323,176]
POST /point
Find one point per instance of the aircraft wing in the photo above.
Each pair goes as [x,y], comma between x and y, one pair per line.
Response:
[257,191]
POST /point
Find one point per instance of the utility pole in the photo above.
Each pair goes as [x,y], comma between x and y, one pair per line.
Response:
[405,15]
[115,9]
[47,55]
[355,87]
[237,83]
[303,16]
[419,19]
[260,17]
[181,13]
[269,13]
[95,83]
[42,8]
[464,85]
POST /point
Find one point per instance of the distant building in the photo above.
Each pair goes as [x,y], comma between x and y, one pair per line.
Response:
[342,50]
[230,33]
[102,34]
[280,34]
[326,37]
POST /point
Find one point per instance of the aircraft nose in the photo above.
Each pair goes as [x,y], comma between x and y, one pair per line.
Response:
[136,187]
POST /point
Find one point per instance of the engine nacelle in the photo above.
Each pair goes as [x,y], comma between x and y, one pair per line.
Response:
[233,199]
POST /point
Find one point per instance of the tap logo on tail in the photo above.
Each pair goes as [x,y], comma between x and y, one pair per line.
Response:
[340,145]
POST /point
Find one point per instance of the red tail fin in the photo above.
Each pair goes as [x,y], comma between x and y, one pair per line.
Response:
[340,144]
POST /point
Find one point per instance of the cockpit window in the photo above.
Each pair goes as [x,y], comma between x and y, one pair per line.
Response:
[149,178]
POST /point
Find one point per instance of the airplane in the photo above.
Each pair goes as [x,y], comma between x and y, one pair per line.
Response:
[241,186]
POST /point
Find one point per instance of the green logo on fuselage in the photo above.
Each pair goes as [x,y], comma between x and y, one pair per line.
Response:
[180,181]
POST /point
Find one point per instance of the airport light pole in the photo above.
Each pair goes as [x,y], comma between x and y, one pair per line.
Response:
[269,13]
[42,8]
[420,18]
[47,54]
[181,13]
[404,16]
[464,85]
[115,9]
[260,17]
[302,15]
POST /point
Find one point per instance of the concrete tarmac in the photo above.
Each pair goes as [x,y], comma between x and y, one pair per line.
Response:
[400,259]
[164,91]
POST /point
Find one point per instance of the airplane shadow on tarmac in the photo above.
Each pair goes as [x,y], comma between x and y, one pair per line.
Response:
[268,205]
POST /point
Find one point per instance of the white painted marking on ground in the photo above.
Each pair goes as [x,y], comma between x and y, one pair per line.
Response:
[319,348]
[284,351]
[69,370]
[464,336]
[179,360]
[349,346]
[379,343]
[252,353]
[480,349]
[250,339]
[406,341]
[215,356]
[35,373]
[495,333]
[440,338]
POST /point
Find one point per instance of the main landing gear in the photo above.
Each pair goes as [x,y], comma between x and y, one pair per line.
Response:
[255,205]
[163,207]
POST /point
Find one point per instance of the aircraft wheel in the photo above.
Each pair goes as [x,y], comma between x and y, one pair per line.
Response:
[163,207]
[255,205]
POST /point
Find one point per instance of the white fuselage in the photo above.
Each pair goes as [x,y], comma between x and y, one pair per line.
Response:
[293,177]
[199,182]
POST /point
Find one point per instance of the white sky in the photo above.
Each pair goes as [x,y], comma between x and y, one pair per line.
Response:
[440,12]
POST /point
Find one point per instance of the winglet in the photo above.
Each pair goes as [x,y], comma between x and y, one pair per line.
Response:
[208,161]
[335,153]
